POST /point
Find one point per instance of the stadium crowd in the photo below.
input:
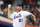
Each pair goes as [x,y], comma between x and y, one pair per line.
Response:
[28,5]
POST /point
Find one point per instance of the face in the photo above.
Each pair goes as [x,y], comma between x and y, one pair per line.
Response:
[5,10]
[19,8]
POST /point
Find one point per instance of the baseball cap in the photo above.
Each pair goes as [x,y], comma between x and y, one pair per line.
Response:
[19,4]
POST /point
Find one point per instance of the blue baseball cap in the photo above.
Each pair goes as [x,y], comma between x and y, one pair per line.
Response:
[19,4]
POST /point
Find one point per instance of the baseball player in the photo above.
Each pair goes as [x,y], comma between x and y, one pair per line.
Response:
[19,17]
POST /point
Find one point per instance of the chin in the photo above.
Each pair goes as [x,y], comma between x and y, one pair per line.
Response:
[19,10]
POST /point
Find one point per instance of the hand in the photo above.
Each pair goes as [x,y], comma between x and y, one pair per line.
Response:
[9,6]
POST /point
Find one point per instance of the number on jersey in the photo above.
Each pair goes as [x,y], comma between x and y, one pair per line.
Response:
[20,20]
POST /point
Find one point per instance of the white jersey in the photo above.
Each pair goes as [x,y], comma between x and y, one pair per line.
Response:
[19,19]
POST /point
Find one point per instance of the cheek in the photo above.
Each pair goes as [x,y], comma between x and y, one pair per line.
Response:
[18,8]
[21,7]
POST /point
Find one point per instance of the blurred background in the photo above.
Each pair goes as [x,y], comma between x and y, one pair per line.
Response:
[32,6]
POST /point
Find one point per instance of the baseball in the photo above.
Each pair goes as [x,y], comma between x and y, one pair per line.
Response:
[9,5]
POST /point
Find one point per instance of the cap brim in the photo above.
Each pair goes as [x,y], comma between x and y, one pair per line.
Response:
[18,5]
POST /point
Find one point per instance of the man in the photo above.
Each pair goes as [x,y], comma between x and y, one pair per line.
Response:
[19,17]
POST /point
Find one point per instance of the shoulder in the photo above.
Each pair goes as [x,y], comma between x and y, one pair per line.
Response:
[28,13]
[25,11]
[14,12]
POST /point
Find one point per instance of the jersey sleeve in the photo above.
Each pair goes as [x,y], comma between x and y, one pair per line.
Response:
[12,16]
[28,13]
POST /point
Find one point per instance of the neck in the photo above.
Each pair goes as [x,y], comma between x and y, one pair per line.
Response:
[18,11]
